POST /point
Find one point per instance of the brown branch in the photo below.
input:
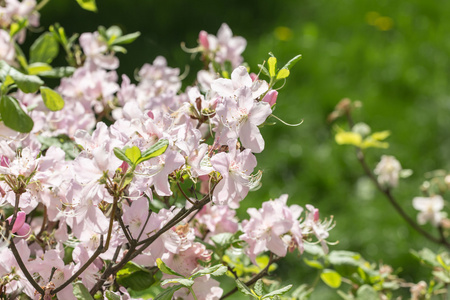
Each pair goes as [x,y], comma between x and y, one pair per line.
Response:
[81,270]
[133,252]
[390,197]
[24,269]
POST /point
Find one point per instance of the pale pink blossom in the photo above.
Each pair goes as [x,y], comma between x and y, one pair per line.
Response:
[430,209]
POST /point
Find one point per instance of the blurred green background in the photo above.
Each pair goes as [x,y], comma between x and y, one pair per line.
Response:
[391,55]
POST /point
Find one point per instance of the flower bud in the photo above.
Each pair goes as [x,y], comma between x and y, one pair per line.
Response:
[19,222]
[203,39]
[271,97]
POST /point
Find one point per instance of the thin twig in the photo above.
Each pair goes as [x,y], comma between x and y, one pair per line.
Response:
[390,197]
[24,268]
[81,270]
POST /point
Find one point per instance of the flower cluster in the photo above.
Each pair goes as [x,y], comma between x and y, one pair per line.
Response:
[157,184]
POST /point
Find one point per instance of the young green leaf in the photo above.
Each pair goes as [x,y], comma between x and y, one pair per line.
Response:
[88,5]
[111,296]
[120,154]
[281,291]
[331,278]
[13,116]
[133,153]
[44,49]
[37,68]
[154,151]
[52,99]
[292,62]
[167,294]
[165,269]
[272,62]
[135,277]
[264,70]
[366,292]
[26,83]
[183,281]
[259,287]
[126,39]
[245,289]
[283,73]
[217,270]
[81,292]
[58,72]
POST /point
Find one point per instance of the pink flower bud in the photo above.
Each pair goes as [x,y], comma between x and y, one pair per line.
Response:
[271,97]
[150,114]
[24,231]
[18,223]
[124,167]
[253,76]
[316,215]
[4,161]
[203,39]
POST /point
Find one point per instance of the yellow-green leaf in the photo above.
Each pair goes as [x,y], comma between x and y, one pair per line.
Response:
[381,135]
[37,68]
[348,138]
[272,62]
[133,153]
[283,73]
[372,143]
[88,5]
[331,278]
[52,99]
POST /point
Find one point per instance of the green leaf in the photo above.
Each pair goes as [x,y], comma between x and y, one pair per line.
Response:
[81,292]
[244,289]
[281,291]
[272,62]
[441,262]
[292,62]
[26,83]
[52,99]
[133,153]
[259,287]
[183,281]
[283,73]
[331,278]
[113,32]
[13,116]
[17,26]
[217,270]
[137,281]
[427,256]
[120,154]
[338,258]
[313,263]
[61,141]
[111,296]
[37,68]
[58,72]
[264,70]
[88,5]
[157,149]
[44,49]
[168,293]
[165,269]
[126,39]
[135,277]
[366,292]
[224,239]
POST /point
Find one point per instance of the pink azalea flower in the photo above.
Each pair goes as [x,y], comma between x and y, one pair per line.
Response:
[235,167]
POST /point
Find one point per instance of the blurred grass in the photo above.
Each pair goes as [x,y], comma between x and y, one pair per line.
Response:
[391,55]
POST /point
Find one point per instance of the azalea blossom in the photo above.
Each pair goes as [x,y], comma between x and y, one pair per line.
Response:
[430,209]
